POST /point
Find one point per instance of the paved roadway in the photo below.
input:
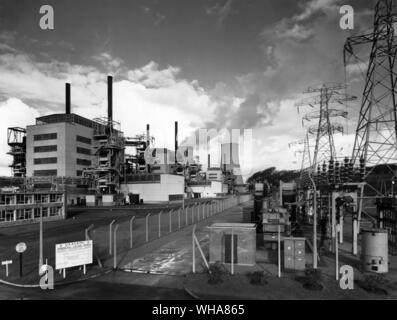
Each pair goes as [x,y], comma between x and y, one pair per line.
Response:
[71,229]
[116,285]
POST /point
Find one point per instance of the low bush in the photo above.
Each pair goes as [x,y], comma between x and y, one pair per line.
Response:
[373,283]
[257,278]
[216,272]
[311,280]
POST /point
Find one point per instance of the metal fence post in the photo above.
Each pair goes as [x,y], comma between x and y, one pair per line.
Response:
[203,207]
[232,255]
[131,223]
[110,236]
[170,219]
[279,250]
[179,218]
[193,250]
[186,221]
[147,227]
[87,235]
[115,246]
[160,223]
[198,206]
[192,213]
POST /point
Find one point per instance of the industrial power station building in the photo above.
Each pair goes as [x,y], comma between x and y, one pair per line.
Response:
[88,159]
[59,145]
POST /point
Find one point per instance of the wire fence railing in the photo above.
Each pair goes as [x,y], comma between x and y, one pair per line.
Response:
[112,239]
[139,230]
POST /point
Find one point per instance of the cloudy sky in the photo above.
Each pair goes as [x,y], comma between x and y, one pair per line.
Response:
[214,64]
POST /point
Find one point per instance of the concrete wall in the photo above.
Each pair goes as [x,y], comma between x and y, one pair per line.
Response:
[156,192]
[210,191]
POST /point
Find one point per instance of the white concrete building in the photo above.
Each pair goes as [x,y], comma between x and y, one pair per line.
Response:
[211,189]
[155,188]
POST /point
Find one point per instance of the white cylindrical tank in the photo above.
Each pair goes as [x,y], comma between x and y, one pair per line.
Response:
[374,250]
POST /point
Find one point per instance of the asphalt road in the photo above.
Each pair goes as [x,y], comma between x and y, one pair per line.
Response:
[71,229]
[114,286]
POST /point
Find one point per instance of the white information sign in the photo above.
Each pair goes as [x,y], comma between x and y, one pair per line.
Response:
[73,254]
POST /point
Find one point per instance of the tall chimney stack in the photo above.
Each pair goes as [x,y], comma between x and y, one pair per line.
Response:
[110,100]
[147,135]
[176,138]
[209,161]
[67,98]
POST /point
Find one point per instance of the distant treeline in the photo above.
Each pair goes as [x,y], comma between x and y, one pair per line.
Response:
[273,176]
[380,177]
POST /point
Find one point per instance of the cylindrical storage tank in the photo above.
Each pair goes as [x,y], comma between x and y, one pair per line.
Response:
[374,250]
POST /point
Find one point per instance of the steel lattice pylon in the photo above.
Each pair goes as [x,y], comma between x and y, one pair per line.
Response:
[376,132]
[306,165]
[306,162]
[324,149]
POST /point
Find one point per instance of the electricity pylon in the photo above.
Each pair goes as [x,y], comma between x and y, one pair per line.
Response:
[306,163]
[324,130]
[376,132]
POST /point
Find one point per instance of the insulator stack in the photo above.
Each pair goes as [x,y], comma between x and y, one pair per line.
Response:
[337,172]
[362,169]
[318,174]
[351,171]
[324,173]
[345,170]
[331,171]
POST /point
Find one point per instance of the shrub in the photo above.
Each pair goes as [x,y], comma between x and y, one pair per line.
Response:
[216,271]
[373,283]
[311,280]
[257,278]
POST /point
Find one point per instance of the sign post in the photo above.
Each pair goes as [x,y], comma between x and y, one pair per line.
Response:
[73,254]
[6,263]
[20,248]
[41,240]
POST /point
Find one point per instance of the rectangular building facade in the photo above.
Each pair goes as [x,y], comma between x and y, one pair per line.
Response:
[27,207]
[59,148]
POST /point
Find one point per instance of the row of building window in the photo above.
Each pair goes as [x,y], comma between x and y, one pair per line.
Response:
[83,139]
[45,148]
[55,148]
[45,136]
[29,213]
[45,160]
[45,172]
[83,162]
[83,150]
[40,173]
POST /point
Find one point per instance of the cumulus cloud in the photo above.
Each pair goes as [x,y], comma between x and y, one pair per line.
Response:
[13,113]
[221,12]
[110,63]
[148,94]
